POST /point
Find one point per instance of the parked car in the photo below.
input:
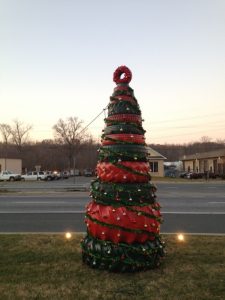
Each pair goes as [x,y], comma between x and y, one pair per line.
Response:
[88,172]
[55,175]
[65,175]
[74,172]
[183,174]
[34,175]
[49,175]
[170,174]
[9,176]
[213,175]
[191,175]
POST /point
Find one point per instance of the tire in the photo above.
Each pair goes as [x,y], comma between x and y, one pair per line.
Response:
[132,227]
[11,179]
[123,107]
[129,118]
[133,149]
[113,139]
[124,128]
[108,172]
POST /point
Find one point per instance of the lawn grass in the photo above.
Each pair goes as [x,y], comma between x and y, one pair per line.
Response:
[50,267]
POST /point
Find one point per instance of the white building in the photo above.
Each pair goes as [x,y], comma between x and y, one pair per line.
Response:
[156,161]
[11,164]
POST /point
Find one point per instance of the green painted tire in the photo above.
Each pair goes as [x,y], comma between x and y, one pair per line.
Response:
[122,107]
[124,128]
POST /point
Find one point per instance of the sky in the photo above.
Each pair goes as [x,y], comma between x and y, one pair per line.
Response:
[57,59]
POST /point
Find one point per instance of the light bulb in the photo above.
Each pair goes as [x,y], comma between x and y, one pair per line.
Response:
[68,235]
[180,237]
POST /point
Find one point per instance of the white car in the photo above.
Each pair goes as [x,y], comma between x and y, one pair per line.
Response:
[9,176]
[34,176]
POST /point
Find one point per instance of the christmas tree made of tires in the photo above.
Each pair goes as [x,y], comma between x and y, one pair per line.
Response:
[123,219]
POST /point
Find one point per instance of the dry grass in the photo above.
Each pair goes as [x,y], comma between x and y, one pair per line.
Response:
[49,267]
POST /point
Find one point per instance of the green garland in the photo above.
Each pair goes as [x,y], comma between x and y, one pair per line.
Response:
[122,257]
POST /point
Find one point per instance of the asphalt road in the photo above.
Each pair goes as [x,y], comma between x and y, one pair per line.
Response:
[186,207]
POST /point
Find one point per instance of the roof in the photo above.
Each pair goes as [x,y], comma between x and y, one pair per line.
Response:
[209,154]
[154,154]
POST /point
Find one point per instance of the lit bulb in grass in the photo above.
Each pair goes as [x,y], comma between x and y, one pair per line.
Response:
[180,237]
[68,235]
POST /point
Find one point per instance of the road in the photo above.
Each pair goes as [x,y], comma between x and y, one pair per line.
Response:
[186,207]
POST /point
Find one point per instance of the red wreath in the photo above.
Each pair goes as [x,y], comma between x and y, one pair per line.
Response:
[120,71]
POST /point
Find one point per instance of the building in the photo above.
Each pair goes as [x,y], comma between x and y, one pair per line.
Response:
[11,164]
[156,161]
[212,161]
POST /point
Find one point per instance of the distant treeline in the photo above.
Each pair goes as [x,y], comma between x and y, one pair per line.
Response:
[51,155]
[173,152]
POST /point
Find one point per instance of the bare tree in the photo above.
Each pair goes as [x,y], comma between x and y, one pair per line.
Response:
[206,139]
[71,133]
[20,133]
[5,130]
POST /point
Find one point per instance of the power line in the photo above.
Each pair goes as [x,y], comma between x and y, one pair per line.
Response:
[208,126]
[190,118]
[103,111]
[183,134]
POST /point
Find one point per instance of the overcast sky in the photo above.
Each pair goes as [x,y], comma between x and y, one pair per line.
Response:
[57,59]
